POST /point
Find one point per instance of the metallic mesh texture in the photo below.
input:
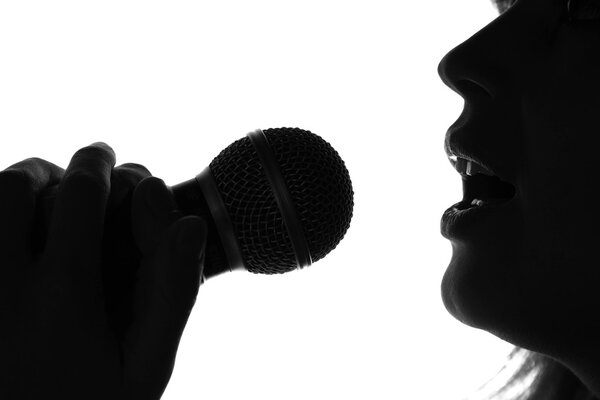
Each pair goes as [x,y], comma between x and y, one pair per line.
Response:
[319,185]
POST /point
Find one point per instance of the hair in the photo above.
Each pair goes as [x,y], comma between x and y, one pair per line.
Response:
[528,375]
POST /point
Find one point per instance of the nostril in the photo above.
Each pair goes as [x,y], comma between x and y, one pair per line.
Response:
[471,89]
[465,74]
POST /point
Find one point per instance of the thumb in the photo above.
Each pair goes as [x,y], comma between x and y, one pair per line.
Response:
[166,292]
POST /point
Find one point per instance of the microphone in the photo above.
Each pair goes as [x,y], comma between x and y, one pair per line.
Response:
[274,201]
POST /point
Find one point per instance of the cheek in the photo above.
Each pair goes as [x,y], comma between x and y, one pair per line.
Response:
[559,182]
[561,138]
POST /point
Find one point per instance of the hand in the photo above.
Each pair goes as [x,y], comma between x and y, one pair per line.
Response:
[83,318]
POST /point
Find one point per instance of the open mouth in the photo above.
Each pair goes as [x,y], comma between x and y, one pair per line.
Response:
[483,195]
[481,190]
[481,186]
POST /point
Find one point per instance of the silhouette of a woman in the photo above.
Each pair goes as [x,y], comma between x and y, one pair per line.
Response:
[525,268]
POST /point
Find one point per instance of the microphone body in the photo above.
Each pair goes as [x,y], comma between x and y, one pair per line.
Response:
[274,201]
[191,200]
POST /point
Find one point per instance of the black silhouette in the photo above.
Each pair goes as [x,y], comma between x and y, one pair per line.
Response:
[63,336]
[103,264]
[525,237]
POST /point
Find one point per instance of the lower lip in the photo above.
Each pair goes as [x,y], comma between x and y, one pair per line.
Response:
[460,217]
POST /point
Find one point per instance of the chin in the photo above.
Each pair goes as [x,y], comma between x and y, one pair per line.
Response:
[479,290]
[460,295]
[486,291]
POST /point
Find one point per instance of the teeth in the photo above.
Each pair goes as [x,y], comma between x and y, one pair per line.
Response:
[470,168]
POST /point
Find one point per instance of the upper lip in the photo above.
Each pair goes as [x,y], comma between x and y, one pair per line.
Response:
[480,165]
[453,150]
[457,150]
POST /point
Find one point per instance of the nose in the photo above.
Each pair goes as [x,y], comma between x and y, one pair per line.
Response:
[481,63]
[465,68]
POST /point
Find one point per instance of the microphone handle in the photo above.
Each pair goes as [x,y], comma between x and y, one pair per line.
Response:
[118,239]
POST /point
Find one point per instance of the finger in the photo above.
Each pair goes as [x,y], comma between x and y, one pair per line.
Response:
[124,180]
[153,211]
[120,256]
[164,297]
[76,228]
[20,185]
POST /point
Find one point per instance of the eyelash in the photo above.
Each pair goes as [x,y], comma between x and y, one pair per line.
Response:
[589,13]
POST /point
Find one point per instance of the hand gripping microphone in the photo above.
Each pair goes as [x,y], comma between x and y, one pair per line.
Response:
[274,201]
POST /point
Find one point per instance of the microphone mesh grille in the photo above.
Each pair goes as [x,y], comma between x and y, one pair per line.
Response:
[319,185]
[318,182]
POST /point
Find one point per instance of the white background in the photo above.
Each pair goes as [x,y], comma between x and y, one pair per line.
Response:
[170,84]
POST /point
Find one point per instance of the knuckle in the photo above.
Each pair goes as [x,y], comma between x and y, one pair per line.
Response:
[130,174]
[135,168]
[34,161]
[93,152]
[149,185]
[87,181]
[15,180]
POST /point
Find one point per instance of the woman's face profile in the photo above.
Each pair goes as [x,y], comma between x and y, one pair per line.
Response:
[529,270]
